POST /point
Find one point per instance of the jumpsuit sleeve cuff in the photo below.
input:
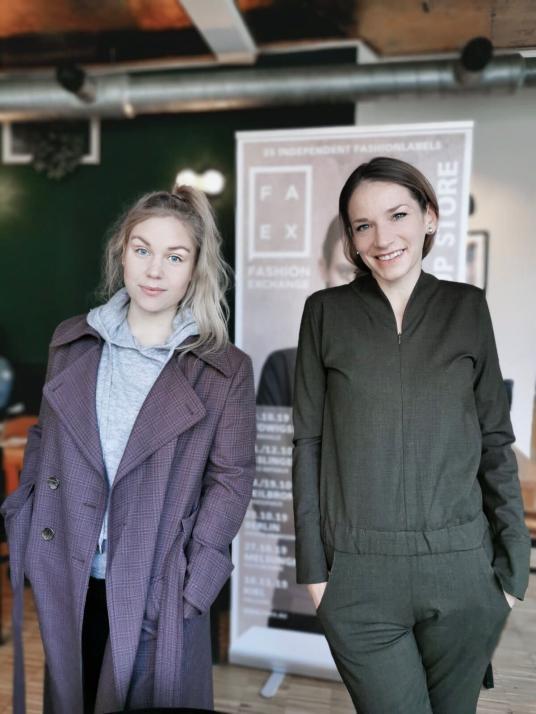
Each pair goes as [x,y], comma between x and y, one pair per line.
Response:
[311,563]
[512,566]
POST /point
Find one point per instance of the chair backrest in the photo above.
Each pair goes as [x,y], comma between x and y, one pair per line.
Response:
[18,426]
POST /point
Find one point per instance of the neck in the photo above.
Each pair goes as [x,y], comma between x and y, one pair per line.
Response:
[150,329]
[398,292]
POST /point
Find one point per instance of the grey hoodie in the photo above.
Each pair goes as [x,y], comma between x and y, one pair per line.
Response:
[127,372]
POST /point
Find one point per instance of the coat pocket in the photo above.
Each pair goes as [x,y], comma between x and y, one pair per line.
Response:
[152,608]
[188,524]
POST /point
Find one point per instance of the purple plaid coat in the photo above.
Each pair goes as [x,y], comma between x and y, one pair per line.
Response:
[177,501]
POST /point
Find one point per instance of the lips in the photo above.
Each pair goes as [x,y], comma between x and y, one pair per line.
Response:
[148,290]
[387,257]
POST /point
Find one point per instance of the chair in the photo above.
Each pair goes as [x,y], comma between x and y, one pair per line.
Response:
[18,427]
[12,459]
[14,438]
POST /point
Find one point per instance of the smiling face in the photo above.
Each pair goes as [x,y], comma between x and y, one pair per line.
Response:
[158,263]
[388,230]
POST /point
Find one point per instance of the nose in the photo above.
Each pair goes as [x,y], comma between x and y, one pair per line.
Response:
[383,237]
[154,267]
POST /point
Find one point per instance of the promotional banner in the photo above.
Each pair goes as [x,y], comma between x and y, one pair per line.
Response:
[288,245]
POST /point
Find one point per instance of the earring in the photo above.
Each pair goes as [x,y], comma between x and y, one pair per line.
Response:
[430,228]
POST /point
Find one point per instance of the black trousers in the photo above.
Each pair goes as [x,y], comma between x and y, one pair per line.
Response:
[95,631]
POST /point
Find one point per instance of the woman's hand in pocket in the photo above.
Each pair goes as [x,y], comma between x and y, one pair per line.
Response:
[316,591]
[510,599]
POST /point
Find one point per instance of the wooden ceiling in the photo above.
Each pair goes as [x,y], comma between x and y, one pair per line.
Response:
[42,33]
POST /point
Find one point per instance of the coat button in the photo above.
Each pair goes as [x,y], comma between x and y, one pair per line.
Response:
[53,482]
[47,534]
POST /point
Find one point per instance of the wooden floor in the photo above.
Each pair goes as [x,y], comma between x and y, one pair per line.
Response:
[237,688]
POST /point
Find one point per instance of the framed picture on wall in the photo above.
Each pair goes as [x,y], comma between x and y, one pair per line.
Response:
[15,148]
[476,258]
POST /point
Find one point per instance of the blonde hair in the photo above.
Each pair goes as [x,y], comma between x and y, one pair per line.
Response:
[205,295]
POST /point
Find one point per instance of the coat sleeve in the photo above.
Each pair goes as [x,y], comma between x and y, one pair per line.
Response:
[497,473]
[15,501]
[226,492]
[309,395]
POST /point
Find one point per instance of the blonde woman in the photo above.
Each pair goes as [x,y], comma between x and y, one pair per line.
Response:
[139,473]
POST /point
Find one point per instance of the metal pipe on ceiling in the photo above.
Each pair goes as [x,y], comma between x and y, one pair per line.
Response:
[124,95]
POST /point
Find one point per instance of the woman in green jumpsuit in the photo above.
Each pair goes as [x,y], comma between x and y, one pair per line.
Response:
[409,520]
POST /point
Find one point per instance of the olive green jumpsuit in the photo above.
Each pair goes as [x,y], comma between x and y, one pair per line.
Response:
[406,494]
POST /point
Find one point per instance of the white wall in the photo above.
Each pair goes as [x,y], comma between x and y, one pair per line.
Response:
[503,184]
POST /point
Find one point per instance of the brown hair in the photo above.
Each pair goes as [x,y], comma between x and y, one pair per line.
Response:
[206,293]
[333,235]
[390,170]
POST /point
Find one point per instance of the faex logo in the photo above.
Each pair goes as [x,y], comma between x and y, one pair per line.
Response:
[280,211]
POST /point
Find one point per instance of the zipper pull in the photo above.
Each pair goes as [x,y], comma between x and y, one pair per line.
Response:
[399,338]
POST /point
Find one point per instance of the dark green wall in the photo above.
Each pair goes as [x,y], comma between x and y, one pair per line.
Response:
[52,232]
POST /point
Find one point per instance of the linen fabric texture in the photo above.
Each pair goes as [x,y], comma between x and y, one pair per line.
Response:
[178,498]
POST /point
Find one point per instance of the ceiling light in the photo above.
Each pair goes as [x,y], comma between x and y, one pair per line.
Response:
[211,182]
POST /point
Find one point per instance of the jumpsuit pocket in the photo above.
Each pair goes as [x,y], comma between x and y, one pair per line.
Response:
[491,576]
[329,586]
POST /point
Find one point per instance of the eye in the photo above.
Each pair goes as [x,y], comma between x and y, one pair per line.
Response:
[141,252]
[399,215]
[175,259]
[361,228]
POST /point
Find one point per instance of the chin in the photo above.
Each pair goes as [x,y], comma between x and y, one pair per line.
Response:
[149,305]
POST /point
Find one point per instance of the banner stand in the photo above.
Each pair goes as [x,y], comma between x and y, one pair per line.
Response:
[288,245]
[272,684]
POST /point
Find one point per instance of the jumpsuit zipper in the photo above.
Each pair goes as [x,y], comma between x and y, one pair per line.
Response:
[403,456]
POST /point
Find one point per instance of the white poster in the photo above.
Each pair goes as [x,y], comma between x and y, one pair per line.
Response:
[288,245]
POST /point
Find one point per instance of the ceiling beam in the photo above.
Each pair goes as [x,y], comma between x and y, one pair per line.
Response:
[223,28]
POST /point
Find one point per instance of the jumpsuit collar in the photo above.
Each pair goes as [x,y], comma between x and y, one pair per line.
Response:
[368,289]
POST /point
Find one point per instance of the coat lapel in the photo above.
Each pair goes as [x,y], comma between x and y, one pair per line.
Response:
[71,394]
[171,407]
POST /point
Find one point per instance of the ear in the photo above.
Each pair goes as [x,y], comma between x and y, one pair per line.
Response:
[430,218]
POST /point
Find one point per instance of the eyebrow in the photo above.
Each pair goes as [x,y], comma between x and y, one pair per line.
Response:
[173,247]
[389,210]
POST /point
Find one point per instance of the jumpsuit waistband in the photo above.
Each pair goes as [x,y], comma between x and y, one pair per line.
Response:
[462,536]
